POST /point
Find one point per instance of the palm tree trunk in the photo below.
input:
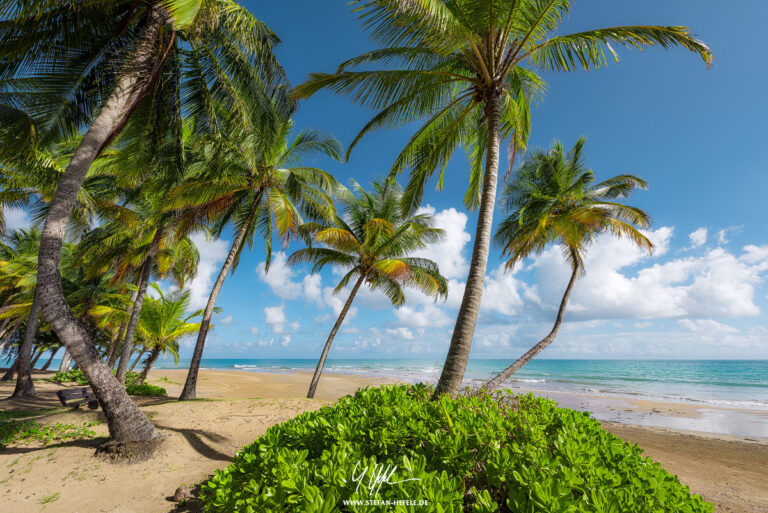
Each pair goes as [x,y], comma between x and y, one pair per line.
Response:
[327,347]
[112,349]
[190,385]
[461,341]
[146,271]
[50,359]
[11,371]
[24,385]
[138,359]
[541,345]
[38,354]
[65,361]
[153,356]
[121,332]
[125,421]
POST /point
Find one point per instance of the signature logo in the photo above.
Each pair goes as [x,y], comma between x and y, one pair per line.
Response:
[377,476]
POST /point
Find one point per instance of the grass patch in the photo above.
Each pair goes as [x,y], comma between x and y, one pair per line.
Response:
[165,379]
[14,431]
[478,453]
[50,498]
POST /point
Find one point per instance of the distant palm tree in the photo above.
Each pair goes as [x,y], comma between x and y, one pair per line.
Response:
[469,68]
[164,321]
[553,201]
[372,241]
[111,57]
[259,182]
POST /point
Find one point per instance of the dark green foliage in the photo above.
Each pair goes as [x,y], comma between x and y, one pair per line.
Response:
[77,376]
[145,389]
[478,453]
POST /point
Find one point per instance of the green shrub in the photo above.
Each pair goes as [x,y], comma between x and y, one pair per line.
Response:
[77,376]
[479,453]
[145,389]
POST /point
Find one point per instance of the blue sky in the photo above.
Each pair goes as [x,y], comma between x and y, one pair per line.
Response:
[697,135]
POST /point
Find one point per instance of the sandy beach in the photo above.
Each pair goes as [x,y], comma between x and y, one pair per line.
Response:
[237,407]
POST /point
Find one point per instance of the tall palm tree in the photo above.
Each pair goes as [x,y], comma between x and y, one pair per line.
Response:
[372,241]
[469,68]
[258,182]
[108,61]
[164,321]
[554,200]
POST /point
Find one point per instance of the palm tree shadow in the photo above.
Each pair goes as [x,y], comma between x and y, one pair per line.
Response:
[195,439]
[86,443]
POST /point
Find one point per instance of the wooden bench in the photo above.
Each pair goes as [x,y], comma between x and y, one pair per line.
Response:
[75,397]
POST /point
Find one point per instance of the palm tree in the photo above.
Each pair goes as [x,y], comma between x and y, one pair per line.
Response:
[372,240]
[164,321]
[108,61]
[469,68]
[258,183]
[553,200]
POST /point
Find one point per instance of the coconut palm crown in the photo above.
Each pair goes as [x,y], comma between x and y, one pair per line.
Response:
[554,200]
[371,239]
[470,70]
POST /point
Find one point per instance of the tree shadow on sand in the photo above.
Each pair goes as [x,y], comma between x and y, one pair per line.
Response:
[195,439]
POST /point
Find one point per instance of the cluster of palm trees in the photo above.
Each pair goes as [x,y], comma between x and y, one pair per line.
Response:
[134,125]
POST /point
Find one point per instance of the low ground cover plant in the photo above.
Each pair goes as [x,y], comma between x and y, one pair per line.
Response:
[480,452]
[17,427]
[144,389]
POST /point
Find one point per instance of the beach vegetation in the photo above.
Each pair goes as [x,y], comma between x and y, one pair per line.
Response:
[119,62]
[16,429]
[479,452]
[370,240]
[471,70]
[553,199]
[145,389]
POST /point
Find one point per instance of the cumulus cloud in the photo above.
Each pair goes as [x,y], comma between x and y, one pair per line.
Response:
[449,253]
[428,316]
[402,333]
[212,255]
[716,283]
[274,316]
[227,320]
[698,238]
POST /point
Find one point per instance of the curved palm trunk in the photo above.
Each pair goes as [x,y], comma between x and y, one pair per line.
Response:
[66,360]
[190,385]
[138,359]
[541,345]
[121,332]
[49,361]
[146,271]
[11,372]
[153,356]
[461,341]
[112,349]
[327,347]
[126,422]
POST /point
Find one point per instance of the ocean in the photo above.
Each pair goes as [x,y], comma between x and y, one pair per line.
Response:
[723,383]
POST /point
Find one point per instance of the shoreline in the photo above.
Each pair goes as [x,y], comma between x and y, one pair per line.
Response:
[235,408]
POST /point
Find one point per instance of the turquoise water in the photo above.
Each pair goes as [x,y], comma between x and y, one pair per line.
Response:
[727,383]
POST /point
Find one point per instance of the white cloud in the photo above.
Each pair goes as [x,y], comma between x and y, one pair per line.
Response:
[698,238]
[706,326]
[402,333]
[254,329]
[429,316]
[449,252]
[275,317]
[280,276]
[227,320]
[212,255]
[716,283]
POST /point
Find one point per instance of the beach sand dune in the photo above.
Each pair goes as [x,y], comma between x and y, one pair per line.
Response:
[202,436]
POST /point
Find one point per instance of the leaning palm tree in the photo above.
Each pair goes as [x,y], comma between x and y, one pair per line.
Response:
[372,240]
[470,69]
[108,61]
[164,321]
[553,200]
[258,180]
